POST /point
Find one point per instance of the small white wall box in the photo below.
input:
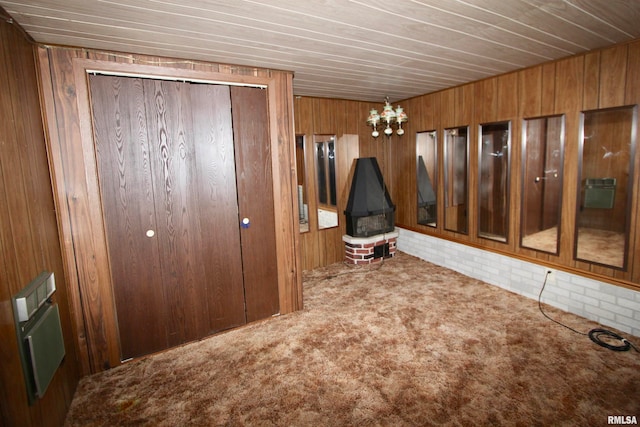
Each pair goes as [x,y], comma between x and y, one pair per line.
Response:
[39,333]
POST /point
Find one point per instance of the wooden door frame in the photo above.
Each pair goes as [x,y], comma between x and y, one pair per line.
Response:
[65,92]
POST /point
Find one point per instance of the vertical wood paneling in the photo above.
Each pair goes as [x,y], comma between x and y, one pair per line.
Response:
[560,87]
[613,70]
[507,107]
[591,90]
[486,100]
[547,106]
[530,92]
[569,90]
[347,121]
[600,79]
[29,239]
[304,126]
[75,300]
[79,197]
[447,109]
[324,117]
[285,192]
[465,104]
[508,111]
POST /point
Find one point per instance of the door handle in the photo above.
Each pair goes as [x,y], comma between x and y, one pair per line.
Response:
[245,222]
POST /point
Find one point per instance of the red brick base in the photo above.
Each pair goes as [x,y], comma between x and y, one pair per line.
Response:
[369,250]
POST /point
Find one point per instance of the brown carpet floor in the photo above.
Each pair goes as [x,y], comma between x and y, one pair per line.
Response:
[405,343]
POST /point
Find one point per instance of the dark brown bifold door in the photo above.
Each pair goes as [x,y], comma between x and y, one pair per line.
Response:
[167,176]
[255,201]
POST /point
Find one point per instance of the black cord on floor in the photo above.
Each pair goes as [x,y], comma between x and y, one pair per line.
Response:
[596,335]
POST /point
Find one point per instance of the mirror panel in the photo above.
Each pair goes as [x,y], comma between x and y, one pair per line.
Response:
[493,181]
[303,198]
[605,185]
[456,179]
[427,176]
[325,162]
[542,159]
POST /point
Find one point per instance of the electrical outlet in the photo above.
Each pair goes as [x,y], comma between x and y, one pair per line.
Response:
[551,276]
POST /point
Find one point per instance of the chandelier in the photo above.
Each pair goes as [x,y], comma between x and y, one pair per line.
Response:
[388,117]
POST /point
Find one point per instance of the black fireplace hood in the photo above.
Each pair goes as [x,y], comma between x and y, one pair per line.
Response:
[370,210]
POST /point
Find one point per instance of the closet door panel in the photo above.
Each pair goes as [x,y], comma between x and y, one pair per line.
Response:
[255,201]
[123,160]
[169,119]
[215,186]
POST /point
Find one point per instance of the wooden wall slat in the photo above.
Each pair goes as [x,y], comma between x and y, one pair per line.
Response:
[613,70]
[464,104]
[447,109]
[530,95]
[547,106]
[507,107]
[285,192]
[569,91]
[591,91]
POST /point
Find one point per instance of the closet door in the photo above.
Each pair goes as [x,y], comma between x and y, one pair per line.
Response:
[255,200]
[122,150]
[166,167]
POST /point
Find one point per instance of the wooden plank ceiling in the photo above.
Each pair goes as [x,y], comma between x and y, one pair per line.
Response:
[351,49]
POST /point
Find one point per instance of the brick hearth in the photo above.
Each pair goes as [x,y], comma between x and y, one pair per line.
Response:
[369,250]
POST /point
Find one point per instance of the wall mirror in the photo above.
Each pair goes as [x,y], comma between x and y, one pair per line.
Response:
[605,185]
[325,162]
[303,199]
[493,181]
[427,176]
[456,180]
[542,158]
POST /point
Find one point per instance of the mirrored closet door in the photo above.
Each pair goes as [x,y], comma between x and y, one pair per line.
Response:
[303,196]
[605,185]
[326,184]
[542,157]
[427,177]
[456,179]
[493,181]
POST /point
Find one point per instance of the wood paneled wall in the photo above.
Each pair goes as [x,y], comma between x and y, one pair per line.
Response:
[347,121]
[29,239]
[600,79]
[66,102]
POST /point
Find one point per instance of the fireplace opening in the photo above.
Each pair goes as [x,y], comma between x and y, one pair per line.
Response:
[381,251]
[370,210]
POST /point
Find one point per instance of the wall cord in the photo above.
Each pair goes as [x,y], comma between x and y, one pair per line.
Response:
[596,335]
